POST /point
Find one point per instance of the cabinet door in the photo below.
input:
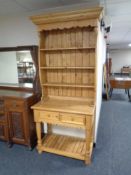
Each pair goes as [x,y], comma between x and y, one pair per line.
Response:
[2,111]
[16,122]
[3,132]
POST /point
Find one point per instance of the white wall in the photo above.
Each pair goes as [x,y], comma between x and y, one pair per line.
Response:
[19,30]
[8,67]
[120,58]
[101,56]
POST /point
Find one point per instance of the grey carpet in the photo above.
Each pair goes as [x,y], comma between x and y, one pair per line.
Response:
[112,155]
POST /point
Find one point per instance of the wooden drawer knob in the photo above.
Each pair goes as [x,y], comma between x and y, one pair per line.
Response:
[57,117]
[72,119]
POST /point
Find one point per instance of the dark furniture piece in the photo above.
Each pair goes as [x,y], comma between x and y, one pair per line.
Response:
[16,117]
[3,121]
[120,83]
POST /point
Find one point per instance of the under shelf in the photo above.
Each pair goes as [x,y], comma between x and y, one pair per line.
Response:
[64,145]
[60,67]
[69,48]
[69,85]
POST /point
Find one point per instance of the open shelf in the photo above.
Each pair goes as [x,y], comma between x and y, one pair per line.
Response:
[64,145]
[58,67]
[68,85]
[70,48]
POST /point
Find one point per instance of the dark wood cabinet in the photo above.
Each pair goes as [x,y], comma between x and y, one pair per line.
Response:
[3,132]
[3,121]
[17,127]
[16,117]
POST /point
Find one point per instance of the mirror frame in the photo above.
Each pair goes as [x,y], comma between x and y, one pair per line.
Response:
[36,81]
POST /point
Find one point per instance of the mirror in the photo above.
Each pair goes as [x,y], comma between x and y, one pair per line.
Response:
[19,67]
[25,67]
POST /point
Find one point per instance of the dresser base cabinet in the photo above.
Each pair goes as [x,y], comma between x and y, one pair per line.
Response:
[77,114]
[16,118]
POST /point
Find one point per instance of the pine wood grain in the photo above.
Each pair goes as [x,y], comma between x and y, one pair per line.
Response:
[68,66]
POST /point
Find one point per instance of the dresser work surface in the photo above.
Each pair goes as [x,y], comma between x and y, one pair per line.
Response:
[65,105]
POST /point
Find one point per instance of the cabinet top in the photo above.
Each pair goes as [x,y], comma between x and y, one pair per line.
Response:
[64,105]
[15,94]
[68,19]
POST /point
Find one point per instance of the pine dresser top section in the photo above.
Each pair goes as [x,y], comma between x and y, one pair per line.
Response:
[66,105]
[61,20]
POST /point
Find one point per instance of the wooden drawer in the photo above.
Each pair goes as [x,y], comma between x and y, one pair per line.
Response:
[14,105]
[48,116]
[72,119]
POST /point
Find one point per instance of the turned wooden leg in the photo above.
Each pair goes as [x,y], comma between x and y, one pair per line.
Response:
[88,139]
[39,140]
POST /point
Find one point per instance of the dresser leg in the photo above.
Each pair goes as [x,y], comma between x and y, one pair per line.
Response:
[88,161]
[39,140]
[39,151]
[89,139]
[9,144]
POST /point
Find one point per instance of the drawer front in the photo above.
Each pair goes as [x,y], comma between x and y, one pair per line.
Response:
[48,116]
[14,105]
[72,119]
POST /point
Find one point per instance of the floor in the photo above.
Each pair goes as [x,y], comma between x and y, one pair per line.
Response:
[112,155]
